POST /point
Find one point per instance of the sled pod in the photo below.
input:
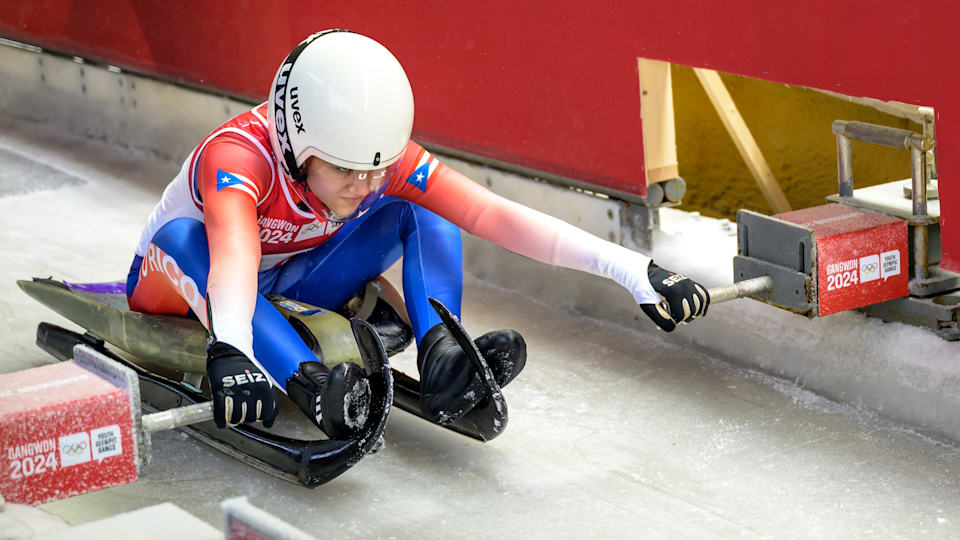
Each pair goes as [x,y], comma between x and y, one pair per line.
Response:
[179,343]
[164,341]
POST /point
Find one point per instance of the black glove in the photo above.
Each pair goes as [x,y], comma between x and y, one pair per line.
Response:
[242,394]
[684,299]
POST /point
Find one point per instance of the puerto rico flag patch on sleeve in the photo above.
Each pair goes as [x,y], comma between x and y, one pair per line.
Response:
[229,180]
[421,174]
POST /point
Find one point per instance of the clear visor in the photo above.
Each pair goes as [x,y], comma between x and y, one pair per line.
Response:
[375,179]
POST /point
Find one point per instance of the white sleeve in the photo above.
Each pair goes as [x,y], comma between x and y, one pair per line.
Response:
[553,241]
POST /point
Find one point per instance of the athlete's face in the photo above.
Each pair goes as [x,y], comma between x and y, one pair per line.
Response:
[342,190]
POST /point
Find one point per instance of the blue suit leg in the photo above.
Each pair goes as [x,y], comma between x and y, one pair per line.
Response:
[432,267]
[329,275]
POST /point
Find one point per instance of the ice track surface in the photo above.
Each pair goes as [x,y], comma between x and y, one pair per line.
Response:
[614,432]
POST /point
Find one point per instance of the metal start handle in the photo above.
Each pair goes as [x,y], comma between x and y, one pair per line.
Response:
[177,417]
[740,289]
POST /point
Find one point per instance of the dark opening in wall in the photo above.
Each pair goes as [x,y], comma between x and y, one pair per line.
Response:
[791,125]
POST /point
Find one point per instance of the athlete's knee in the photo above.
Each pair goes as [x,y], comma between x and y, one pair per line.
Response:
[181,242]
[175,265]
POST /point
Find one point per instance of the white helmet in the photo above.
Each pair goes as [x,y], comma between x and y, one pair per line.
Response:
[341,97]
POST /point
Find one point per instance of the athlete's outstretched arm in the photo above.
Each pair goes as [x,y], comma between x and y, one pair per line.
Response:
[547,239]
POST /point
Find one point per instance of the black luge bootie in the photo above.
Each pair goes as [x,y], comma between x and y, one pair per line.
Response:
[505,352]
[449,385]
[337,400]
[394,332]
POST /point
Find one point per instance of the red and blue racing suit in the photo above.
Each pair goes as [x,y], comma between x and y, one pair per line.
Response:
[231,228]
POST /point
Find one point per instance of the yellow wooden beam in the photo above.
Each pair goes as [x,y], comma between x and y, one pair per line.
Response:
[659,132]
[743,139]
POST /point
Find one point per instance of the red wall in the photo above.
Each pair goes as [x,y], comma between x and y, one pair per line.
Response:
[545,84]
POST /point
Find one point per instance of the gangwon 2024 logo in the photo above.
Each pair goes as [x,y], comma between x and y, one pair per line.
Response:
[863,270]
[40,457]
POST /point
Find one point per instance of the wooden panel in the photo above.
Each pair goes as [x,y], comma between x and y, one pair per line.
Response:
[656,108]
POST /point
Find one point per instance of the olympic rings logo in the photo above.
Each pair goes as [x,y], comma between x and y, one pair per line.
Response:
[869,267]
[74,449]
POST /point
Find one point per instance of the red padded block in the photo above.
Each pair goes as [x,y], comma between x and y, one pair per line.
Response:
[862,256]
[64,431]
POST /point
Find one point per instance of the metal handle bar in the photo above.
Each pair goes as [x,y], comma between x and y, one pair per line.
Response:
[177,417]
[740,289]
